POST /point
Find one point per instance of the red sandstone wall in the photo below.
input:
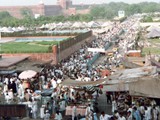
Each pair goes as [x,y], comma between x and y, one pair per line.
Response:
[36,56]
[85,11]
[63,4]
[70,11]
[54,49]
[54,56]
[67,52]
[15,11]
[48,10]
[53,10]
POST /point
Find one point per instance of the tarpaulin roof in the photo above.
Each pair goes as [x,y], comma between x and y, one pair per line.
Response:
[146,88]
[152,28]
[70,82]
[155,63]
[134,73]
[116,87]
[154,33]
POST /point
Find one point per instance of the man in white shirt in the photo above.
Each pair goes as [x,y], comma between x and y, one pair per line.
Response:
[7,97]
[47,115]
[104,116]
[74,111]
[34,108]
[88,113]
[149,113]
[10,93]
[121,117]
[58,116]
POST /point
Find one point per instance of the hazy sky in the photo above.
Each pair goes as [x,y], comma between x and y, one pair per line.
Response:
[51,2]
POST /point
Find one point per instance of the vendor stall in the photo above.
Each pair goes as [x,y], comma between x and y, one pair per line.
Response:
[80,110]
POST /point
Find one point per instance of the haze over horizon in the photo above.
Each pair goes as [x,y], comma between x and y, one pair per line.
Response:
[53,2]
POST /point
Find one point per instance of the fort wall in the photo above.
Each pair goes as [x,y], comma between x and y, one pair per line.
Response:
[63,7]
[15,11]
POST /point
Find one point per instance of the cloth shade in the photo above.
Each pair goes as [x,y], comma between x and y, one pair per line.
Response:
[27,74]
[145,88]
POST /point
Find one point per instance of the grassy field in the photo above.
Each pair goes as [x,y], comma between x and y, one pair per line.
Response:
[153,49]
[27,47]
[154,40]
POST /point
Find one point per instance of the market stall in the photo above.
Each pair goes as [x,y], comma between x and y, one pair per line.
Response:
[80,110]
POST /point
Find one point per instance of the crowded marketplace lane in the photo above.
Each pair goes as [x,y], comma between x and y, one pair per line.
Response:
[51,94]
[74,64]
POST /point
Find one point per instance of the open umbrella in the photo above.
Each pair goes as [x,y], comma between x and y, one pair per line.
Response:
[59,81]
[27,74]
[47,92]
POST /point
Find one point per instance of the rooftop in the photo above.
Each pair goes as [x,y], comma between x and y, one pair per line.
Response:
[9,61]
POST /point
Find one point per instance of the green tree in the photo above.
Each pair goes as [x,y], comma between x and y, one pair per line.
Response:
[147,19]
[86,17]
[26,12]
[98,11]
[4,15]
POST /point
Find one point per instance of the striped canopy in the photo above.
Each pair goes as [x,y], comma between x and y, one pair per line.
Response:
[90,89]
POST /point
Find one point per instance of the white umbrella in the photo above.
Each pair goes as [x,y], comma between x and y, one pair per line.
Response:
[59,81]
[27,74]
[76,25]
[93,24]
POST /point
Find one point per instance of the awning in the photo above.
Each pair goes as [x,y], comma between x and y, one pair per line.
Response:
[69,82]
[145,88]
[7,72]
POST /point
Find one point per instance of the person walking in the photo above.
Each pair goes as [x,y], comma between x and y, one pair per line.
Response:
[30,108]
[108,97]
[47,115]
[129,115]
[58,116]
[88,112]
[95,116]
[74,112]
[104,116]
[114,105]
[35,108]
[136,114]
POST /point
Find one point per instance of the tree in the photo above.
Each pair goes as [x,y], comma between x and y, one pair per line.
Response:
[98,11]
[26,12]
[147,19]
[4,15]
[86,17]
[104,11]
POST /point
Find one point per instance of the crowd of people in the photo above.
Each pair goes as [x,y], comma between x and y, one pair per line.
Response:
[74,67]
[123,108]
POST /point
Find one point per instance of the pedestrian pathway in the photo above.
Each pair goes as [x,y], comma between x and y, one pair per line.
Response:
[103,105]
[100,59]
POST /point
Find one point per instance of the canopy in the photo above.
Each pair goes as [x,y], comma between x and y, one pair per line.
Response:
[152,28]
[155,63]
[70,82]
[146,88]
[90,89]
[134,73]
[27,74]
[121,86]
[93,24]
[7,72]
[154,33]
[47,92]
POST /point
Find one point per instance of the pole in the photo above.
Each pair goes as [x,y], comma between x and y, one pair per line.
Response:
[59,57]
[0,46]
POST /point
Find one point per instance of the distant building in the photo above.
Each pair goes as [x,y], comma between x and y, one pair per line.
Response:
[63,7]
[37,16]
[121,14]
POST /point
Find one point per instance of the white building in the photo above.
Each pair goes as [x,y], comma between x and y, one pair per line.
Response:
[121,14]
